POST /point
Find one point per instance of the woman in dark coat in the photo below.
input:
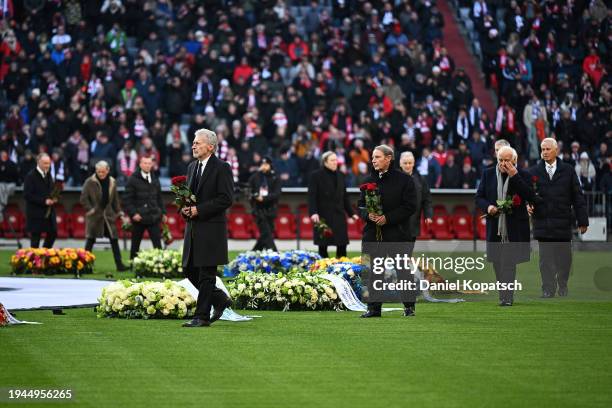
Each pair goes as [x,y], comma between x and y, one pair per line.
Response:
[40,214]
[328,201]
[423,195]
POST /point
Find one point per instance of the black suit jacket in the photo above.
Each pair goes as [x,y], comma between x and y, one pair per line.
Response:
[517,222]
[36,190]
[398,203]
[553,218]
[206,235]
[327,197]
[144,198]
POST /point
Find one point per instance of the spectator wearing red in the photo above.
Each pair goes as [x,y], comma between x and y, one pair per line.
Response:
[243,71]
[297,49]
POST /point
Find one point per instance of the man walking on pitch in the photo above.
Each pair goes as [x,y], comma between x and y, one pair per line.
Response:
[205,244]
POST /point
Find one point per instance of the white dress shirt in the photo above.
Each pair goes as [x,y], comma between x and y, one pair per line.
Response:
[146,176]
[550,167]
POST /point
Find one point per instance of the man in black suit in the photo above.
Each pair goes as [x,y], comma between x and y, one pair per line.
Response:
[265,189]
[205,244]
[37,188]
[398,204]
[328,201]
[553,218]
[507,234]
[144,205]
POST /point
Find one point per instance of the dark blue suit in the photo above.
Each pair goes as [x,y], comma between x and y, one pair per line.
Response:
[506,256]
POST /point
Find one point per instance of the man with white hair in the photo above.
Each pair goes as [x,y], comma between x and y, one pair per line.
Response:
[40,214]
[205,244]
[553,217]
[507,231]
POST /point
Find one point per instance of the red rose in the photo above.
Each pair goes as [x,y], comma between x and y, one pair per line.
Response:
[178,180]
[371,186]
[363,187]
[534,179]
[328,233]
[516,200]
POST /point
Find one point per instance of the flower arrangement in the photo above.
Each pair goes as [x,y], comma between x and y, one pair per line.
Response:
[158,263]
[269,261]
[4,316]
[183,197]
[349,268]
[146,300]
[295,290]
[51,261]
[373,203]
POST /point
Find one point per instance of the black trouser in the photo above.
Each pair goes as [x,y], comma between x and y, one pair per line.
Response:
[408,296]
[555,264]
[204,279]
[265,224]
[340,251]
[89,243]
[49,239]
[138,230]
[505,272]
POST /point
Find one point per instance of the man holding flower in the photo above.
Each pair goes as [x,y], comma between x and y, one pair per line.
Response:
[205,246]
[502,194]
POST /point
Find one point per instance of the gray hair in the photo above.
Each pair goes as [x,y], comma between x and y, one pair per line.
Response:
[101,164]
[551,141]
[209,136]
[386,150]
[325,156]
[42,156]
[501,143]
[406,154]
[505,149]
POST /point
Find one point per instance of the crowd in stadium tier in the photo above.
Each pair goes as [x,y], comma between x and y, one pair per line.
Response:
[121,79]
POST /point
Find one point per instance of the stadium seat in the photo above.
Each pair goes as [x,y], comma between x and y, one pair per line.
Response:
[441,228]
[14,222]
[64,222]
[78,221]
[440,209]
[238,207]
[175,222]
[482,227]
[303,208]
[285,226]
[239,225]
[462,226]
[284,208]
[425,232]
[354,228]
[305,222]
[461,209]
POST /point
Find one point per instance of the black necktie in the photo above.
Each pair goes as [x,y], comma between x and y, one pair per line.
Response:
[196,182]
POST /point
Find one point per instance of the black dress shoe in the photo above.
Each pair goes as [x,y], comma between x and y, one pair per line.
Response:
[197,323]
[370,313]
[122,268]
[409,311]
[562,292]
[504,303]
[219,310]
[547,295]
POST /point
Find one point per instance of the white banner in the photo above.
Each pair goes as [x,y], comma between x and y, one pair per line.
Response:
[347,295]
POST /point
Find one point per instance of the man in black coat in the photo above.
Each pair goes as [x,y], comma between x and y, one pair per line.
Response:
[422,193]
[398,199]
[265,189]
[507,233]
[205,244]
[328,202]
[144,205]
[40,214]
[553,218]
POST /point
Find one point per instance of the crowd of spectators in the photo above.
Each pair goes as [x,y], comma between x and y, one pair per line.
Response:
[122,79]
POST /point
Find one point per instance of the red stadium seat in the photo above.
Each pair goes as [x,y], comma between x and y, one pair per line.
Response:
[285,226]
[303,208]
[440,209]
[175,222]
[462,225]
[461,209]
[239,225]
[354,228]
[481,225]
[425,232]
[78,221]
[238,207]
[14,222]
[306,231]
[441,228]
[284,208]
[64,222]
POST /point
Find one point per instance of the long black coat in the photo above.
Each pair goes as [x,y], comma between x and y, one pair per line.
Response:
[144,198]
[553,218]
[36,190]
[517,222]
[423,204]
[398,202]
[327,197]
[206,234]
[269,206]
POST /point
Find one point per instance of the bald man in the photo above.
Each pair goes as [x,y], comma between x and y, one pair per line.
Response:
[37,188]
[553,219]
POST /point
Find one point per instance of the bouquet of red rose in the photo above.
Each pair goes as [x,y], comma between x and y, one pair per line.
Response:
[58,187]
[373,203]
[183,197]
[166,234]
[506,206]
[323,229]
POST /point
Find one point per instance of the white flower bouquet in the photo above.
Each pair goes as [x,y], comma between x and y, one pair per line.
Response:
[159,263]
[146,300]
